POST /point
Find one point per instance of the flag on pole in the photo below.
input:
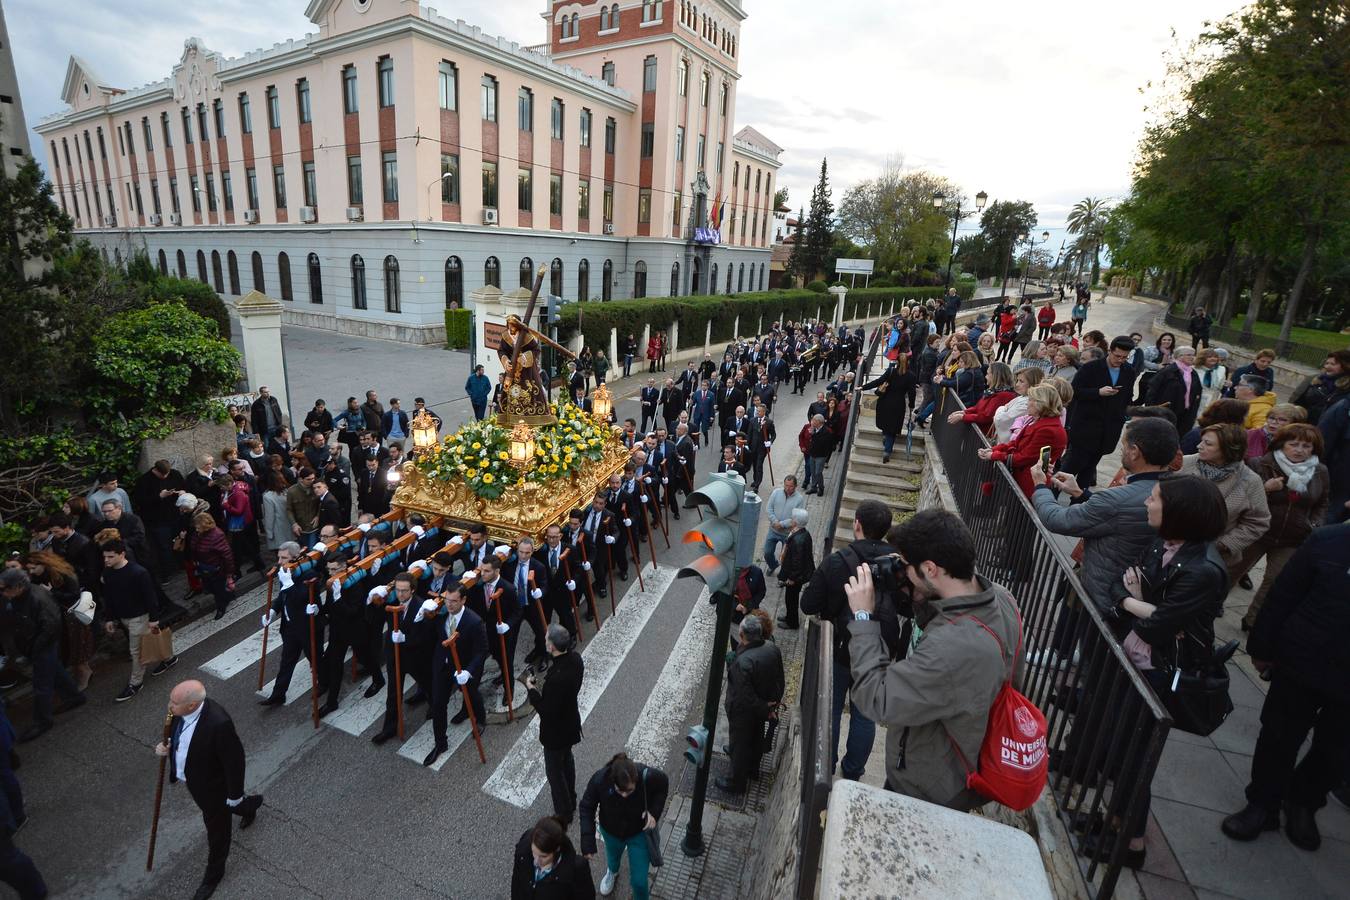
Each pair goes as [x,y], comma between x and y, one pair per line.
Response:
[716,216]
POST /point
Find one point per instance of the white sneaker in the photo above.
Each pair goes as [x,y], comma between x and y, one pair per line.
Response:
[607,883]
[1046,657]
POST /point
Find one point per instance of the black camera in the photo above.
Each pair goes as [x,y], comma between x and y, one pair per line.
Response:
[894,603]
[888,575]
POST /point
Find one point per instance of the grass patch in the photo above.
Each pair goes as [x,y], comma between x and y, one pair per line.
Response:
[1327,340]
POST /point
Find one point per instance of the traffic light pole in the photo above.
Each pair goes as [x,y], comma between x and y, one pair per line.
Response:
[693,832]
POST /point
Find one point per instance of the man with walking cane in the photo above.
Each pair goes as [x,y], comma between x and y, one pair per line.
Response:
[451,618]
[205,751]
[407,651]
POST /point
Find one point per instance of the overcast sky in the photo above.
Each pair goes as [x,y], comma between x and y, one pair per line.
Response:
[1036,101]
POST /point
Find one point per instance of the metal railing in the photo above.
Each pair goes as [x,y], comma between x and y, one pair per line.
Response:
[1307,354]
[1106,726]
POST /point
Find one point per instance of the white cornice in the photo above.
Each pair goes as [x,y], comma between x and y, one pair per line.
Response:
[127,103]
[751,152]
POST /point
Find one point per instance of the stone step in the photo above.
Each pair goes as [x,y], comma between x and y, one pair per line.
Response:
[872,437]
[852,498]
[904,468]
[892,482]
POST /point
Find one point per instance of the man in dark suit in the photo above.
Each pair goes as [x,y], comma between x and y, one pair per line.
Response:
[766,392]
[471,645]
[477,549]
[729,463]
[414,639]
[735,425]
[372,489]
[482,602]
[672,403]
[730,397]
[294,607]
[205,751]
[560,719]
[265,414]
[649,397]
[681,465]
[344,604]
[688,380]
[1101,391]
[531,594]
[599,536]
[559,596]
[762,434]
[701,407]
[665,467]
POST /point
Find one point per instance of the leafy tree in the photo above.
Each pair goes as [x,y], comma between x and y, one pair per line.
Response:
[1001,224]
[819,231]
[780,198]
[893,219]
[794,263]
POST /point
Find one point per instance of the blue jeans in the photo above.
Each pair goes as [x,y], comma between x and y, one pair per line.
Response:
[627,365]
[771,542]
[810,467]
[639,862]
[927,410]
[887,442]
[49,679]
[479,409]
[862,731]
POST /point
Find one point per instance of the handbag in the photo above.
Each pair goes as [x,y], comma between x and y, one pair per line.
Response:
[1197,701]
[653,834]
[83,608]
[156,646]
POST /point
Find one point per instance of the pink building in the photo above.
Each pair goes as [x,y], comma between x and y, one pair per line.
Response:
[379,169]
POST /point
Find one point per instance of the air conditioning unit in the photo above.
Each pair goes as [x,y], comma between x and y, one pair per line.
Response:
[354,214]
[155,219]
[110,221]
[251,216]
[307,214]
[609,228]
[489,217]
[175,218]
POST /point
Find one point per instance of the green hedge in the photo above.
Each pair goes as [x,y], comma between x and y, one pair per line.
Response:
[458,329]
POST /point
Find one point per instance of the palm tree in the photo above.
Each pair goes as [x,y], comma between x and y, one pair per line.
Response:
[1087,219]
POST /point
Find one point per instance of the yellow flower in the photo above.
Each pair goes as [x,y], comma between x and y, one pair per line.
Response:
[539,452]
[483,463]
[553,469]
[487,478]
[477,446]
[503,455]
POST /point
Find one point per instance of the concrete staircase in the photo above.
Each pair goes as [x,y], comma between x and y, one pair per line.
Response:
[868,478]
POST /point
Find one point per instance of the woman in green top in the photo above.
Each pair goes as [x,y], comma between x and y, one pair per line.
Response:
[601,366]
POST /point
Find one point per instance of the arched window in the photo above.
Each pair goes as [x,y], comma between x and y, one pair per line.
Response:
[117,256]
[284,274]
[454,283]
[201,267]
[607,285]
[604,18]
[163,263]
[614,16]
[639,279]
[358,282]
[696,275]
[731,269]
[575,21]
[217,274]
[232,262]
[182,264]
[584,280]
[555,276]
[526,272]
[259,284]
[712,280]
[492,273]
[740,279]
[761,276]
[392,301]
[675,279]
[315,278]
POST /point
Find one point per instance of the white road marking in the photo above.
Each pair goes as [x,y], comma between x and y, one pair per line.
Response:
[676,689]
[420,743]
[520,775]
[243,654]
[205,627]
[300,678]
[357,713]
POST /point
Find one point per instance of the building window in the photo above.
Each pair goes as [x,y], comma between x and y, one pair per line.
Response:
[201,267]
[173,195]
[526,272]
[259,284]
[555,195]
[761,276]
[585,128]
[284,274]
[525,109]
[210,192]
[555,277]
[358,282]
[678,200]
[492,273]
[675,280]
[679,143]
[194,187]
[488,96]
[584,280]
[350,99]
[201,123]
[610,129]
[385,71]
[524,200]
[730,269]
[649,74]
[218,111]
[251,187]
[648,139]
[302,100]
[740,279]
[607,70]
[614,16]
[717,163]
[315,278]
[449,79]
[164,130]
[139,209]
[273,107]
[584,199]
[639,280]
[703,89]
[187,130]
[279,185]
[163,263]
[217,273]
[245,115]
[145,128]
[454,283]
[607,280]
[645,205]
[712,280]
[311,184]
[449,178]
[604,18]
[389,177]
[682,77]
[702,157]
[651,10]
[232,263]
[355,193]
[735,174]
[556,112]
[696,277]
[490,185]
[154,195]
[392,300]
[726,98]
[227,191]
[608,203]
[182,263]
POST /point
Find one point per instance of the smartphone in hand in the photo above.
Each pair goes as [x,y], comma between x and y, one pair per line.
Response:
[1045,460]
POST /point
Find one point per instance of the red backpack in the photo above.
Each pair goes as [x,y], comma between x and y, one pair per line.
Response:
[1013,755]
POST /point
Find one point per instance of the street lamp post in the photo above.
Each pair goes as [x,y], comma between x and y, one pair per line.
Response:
[1026,271]
[939,201]
[416,238]
[1007,264]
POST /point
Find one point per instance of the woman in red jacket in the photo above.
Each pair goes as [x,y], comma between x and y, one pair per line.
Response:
[211,554]
[1045,318]
[1045,430]
[653,351]
[999,392]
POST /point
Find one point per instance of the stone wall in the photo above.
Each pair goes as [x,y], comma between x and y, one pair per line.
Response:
[184,446]
[772,873]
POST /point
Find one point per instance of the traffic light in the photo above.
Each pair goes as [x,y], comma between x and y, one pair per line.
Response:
[698,745]
[727,531]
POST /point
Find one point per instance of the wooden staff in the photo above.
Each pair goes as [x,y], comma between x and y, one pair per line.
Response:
[609,570]
[464,692]
[655,517]
[313,661]
[689,480]
[398,668]
[590,588]
[159,793]
[572,593]
[653,524]
[262,664]
[506,676]
[764,438]
[538,604]
[632,547]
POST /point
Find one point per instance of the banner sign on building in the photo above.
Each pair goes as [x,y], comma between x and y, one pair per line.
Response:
[707,236]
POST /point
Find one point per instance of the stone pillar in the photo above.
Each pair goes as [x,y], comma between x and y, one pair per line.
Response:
[736,329]
[673,339]
[260,327]
[839,292]
[613,350]
[707,336]
[489,321]
[640,358]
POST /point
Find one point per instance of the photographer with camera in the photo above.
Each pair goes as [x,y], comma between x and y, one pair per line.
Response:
[824,597]
[938,696]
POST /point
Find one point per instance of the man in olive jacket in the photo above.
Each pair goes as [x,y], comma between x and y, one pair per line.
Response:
[940,693]
[754,687]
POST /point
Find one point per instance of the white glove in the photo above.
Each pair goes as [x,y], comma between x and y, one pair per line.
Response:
[681,459]
[269,617]
[536,593]
[768,444]
[586,566]
[647,480]
[731,432]
[469,577]
[397,637]
[627,523]
[363,527]
[430,606]
[609,539]
[665,481]
[420,567]
[320,547]
[462,678]
[285,578]
[457,541]
[502,552]
[418,530]
[503,628]
[375,566]
[380,592]
[643,498]
[571,585]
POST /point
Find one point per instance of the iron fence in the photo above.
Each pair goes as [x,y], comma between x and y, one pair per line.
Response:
[1307,354]
[1106,726]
